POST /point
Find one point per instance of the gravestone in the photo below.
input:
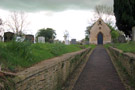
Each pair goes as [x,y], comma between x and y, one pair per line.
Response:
[41,39]
[29,38]
[128,38]
[67,42]
[133,33]
[8,36]
[121,39]
[73,41]
[20,39]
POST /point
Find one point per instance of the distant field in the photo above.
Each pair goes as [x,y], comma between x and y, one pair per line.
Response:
[15,56]
[126,47]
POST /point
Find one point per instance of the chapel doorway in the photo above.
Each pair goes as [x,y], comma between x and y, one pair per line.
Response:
[100,38]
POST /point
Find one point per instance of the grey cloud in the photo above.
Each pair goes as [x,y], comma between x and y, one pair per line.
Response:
[53,5]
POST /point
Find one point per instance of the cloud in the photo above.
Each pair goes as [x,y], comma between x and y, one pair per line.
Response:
[53,5]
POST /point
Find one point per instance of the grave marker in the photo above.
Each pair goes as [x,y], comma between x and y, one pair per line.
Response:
[29,38]
[8,36]
[121,39]
[73,41]
[41,39]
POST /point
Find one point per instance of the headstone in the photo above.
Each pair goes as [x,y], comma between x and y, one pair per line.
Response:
[128,38]
[133,33]
[41,39]
[67,42]
[29,38]
[121,39]
[73,41]
[8,36]
[20,39]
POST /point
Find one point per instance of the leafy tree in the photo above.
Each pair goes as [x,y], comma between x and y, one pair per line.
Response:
[87,32]
[114,33]
[48,33]
[124,11]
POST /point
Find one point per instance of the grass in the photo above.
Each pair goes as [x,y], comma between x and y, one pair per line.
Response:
[15,56]
[125,47]
[107,45]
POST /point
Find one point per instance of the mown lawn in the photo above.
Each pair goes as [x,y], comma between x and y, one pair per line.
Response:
[15,56]
[125,47]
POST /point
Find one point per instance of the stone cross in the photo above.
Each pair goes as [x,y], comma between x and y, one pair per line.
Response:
[41,39]
[133,33]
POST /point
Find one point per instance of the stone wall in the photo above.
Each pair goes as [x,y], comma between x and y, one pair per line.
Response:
[127,60]
[49,74]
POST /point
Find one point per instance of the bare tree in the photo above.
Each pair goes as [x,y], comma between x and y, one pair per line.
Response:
[0,21]
[17,22]
[1,27]
[103,9]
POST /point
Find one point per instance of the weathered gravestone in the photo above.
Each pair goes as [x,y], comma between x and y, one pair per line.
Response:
[20,39]
[41,39]
[133,33]
[67,42]
[121,39]
[73,41]
[8,36]
[29,38]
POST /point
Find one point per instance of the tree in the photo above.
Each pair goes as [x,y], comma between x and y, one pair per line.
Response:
[124,11]
[102,10]
[1,21]
[48,33]
[87,32]
[17,22]
[114,33]
[1,27]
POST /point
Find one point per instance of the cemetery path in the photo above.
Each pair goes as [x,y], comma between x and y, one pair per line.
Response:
[99,73]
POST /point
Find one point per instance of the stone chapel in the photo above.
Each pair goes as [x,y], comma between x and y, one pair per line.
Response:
[100,33]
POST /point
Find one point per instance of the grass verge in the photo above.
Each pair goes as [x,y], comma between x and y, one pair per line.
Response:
[15,56]
[125,47]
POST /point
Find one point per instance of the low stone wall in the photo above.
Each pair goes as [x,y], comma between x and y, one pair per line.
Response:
[127,60]
[49,74]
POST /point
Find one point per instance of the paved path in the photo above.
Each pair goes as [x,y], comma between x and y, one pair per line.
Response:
[99,73]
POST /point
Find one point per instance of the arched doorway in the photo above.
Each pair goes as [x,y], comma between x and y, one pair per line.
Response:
[100,38]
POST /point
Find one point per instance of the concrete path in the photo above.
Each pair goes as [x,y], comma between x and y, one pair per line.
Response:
[99,73]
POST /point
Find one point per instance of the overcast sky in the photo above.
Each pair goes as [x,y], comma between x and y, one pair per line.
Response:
[70,15]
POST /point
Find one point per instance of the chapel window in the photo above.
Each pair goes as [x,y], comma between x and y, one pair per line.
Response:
[99,23]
